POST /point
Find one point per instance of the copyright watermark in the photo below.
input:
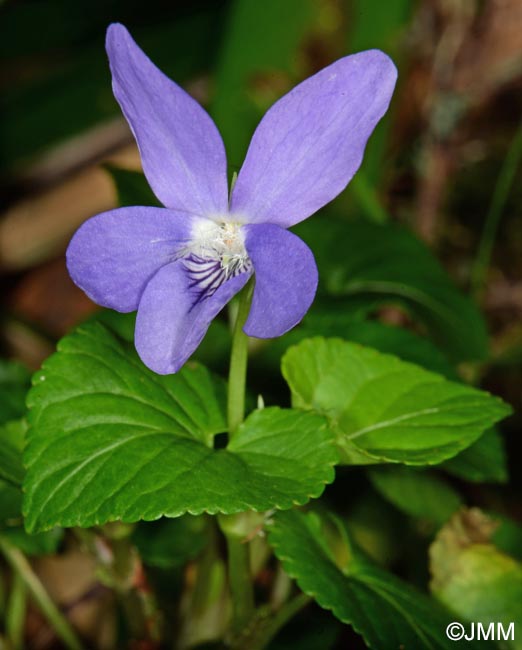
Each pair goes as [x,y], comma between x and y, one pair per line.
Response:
[455,631]
[478,631]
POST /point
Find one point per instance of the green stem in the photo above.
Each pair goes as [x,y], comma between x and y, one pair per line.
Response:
[496,207]
[279,620]
[15,615]
[238,364]
[240,582]
[21,566]
[268,623]
[239,574]
[201,613]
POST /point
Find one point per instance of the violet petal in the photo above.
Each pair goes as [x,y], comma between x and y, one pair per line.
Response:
[286,280]
[113,255]
[172,320]
[311,142]
[181,150]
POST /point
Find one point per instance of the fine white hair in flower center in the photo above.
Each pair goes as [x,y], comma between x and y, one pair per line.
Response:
[218,240]
[215,254]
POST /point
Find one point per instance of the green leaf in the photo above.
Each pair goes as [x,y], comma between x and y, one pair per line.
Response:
[10,504]
[472,577]
[385,408]
[387,264]
[482,462]
[12,472]
[417,493]
[110,440]
[120,324]
[331,322]
[213,351]
[11,524]
[373,526]
[170,543]
[387,612]
[14,384]
[11,446]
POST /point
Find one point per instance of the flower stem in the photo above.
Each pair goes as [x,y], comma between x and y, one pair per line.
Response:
[238,364]
[21,566]
[239,574]
[240,582]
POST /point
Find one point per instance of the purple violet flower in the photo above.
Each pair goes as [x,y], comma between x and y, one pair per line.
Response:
[179,265]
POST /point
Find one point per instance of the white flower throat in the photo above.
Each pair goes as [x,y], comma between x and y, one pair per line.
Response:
[215,254]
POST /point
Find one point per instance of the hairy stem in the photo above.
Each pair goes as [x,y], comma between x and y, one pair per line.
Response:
[21,566]
[238,364]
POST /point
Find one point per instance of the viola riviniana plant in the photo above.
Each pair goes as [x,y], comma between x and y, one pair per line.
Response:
[178,266]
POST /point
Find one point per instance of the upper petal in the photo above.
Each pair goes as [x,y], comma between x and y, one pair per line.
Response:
[181,150]
[311,142]
[286,280]
[172,319]
[113,255]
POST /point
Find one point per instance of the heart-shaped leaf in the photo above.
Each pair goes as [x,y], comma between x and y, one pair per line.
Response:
[385,408]
[387,612]
[110,440]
